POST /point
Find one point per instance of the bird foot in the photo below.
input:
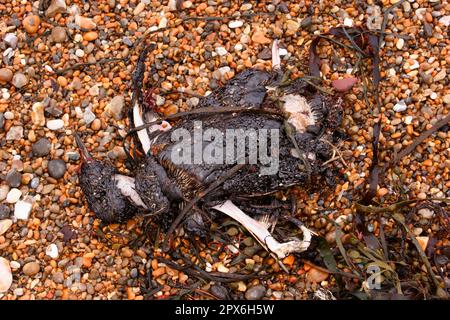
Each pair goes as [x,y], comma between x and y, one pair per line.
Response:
[264,237]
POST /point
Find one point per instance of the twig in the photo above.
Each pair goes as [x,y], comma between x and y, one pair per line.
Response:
[83,65]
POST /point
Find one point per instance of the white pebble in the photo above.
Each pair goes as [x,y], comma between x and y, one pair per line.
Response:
[400,43]
[163,23]
[221,51]
[426,213]
[55,124]
[79,53]
[433,95]
[348,22]
[235,24]
[408,119]
[238,47]
[6,278]
[78,37]
[13,195]
[22,210]
[400,106]
[5,225]
[52,251]
[283,52]
[14,265]
[8,115]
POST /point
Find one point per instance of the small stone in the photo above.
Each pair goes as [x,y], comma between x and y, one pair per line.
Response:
[4,189]
[400,106]
[55,124]
[342,85]
[96,125]
[22,210]
[260,37]
[232,231]
[235,24]
[255,293]
[58,277]
[291,27]
[31,23]
[348,22]
[19,80]
[6,278]
[172,4]
[88,116]
[316,275]
[31,268]
[426,213]
[374,18]
[34,183]
[5,225]
[408,119]
[90,36]
[440,76]
[4,211]
[246,6]
[2,120]
[37,114]
[79,53]
[6,75]
[114,108]
[56,6]
[15,133]
[9,115]
[13,178]
[445,20]
[41,147]
[85,24]
[446,99]
[139,8]
[163,23]
[10,40]
[52,251]
[56,168]
[221,51]
[400,43]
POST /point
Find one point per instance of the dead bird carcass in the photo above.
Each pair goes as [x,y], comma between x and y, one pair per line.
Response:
[281,132]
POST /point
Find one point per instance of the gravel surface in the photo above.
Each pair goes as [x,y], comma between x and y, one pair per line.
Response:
[53,246]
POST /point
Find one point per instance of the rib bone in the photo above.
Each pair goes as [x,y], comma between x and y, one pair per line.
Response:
[263,235]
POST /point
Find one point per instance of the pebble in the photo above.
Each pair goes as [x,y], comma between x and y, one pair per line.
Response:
[37,114]
[139,8]
[441,75]
[446,99]
[79,53]
[19,80]
[59,34]
[13,195]
[4,211]
[31,23]
[88,116]
[13,178]
[426,213]
[292,27]
[15,133]
[85,24]
[34,183]
[90,36]
[4,189]
[114,108]
[2,120]
[221,51]
[342,85]
[41,147]
[5,225]
[31,268]
[56,168]
[10,39]
[316,275]
[260,37]
[6,277]
[400,43]
[235,24]
[52,251]
[348,22]
[55,124]
[6,75]
[58,277]
[445,20]
[56,6]
[255,293]
[22,210]
[400,106]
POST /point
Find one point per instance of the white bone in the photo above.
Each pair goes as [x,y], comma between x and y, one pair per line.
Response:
[143,136]
[127,188]
[263,235]
[276,61]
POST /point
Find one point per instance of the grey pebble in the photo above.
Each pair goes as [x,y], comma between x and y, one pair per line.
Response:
[255,293]
[58,277]
[13,178]
[41,147]
[4,211]
[56,168]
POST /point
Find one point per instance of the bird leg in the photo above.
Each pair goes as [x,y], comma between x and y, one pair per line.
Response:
[263,235]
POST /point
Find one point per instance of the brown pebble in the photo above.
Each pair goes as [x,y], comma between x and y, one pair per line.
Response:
[96,124]
[31,24]
[90,36]
[5,75]
[31,268]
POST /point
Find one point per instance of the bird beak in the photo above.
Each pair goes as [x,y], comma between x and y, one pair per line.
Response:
[85,155]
